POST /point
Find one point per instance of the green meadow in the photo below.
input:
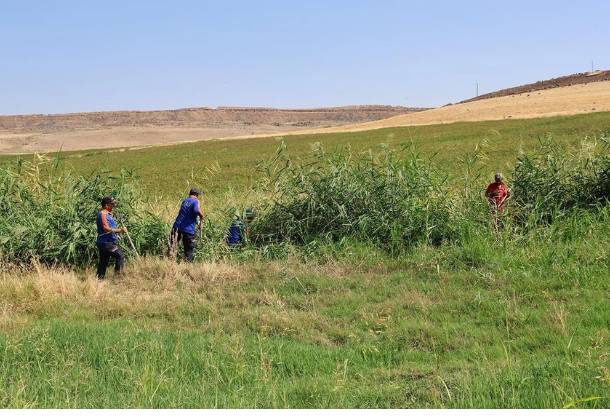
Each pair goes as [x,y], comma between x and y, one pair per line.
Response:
[219,165]
[482,318]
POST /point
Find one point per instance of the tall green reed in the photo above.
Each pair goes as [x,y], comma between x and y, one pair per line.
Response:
[393,199]
[49,215]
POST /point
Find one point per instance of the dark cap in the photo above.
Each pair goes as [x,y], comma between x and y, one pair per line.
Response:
[195,191]
[108,200]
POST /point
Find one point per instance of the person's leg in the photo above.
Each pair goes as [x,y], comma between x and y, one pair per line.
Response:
[103,261]
[188,240]
[496,221]
[500,217]
[119,260]
[179,238]
[172,243]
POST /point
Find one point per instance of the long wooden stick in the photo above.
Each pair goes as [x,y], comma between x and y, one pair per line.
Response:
[129,238]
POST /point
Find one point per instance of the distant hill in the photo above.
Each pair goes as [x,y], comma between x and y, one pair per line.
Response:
[546,101]
[118,129]
[565,81]
[200,117]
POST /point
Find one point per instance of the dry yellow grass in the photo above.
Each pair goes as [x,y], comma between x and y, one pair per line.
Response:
[97,130]
[563,101]
[145,286]
[119,137]
[149,286]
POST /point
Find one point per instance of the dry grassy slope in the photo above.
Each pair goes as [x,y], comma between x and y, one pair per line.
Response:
[565,81]
[575,99]
[45,133]
[196,117]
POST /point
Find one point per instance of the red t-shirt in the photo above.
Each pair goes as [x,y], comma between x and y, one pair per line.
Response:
[497,193]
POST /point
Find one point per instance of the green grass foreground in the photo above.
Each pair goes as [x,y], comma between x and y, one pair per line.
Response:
[507,325]
[492,320]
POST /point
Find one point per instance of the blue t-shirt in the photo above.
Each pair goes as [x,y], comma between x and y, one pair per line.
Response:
[186,221]
[235,233]
[104,218]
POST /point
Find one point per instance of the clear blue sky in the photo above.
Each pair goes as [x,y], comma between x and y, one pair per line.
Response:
[68,56]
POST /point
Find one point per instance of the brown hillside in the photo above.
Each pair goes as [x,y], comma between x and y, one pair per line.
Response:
[565,81]
[47,133]
[198,117]
[561,101]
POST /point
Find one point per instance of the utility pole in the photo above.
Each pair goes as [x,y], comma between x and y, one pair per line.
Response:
[592,66]
[477,89]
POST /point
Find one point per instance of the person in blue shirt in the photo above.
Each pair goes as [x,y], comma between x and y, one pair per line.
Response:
[185,225]
[239,229]
[107,239]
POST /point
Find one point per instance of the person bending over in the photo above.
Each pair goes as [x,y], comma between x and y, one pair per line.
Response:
[185,225]
[239,230]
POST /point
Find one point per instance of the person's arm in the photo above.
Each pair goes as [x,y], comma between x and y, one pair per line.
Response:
[488,192]
[109,229]
[199,210]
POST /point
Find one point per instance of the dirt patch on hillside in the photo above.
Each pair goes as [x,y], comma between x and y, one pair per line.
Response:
[76,131]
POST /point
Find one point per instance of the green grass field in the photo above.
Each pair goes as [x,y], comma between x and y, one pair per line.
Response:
[469,326]
[498,321]
[217,166]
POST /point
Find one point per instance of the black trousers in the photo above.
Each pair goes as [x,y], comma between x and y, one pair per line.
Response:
[188,241]
[107,251]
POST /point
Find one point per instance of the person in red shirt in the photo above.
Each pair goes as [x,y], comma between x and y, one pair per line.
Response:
[497,193]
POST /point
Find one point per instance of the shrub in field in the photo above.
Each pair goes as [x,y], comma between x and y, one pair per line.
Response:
[51,216]
[395,198]
[554,180]
[392,199]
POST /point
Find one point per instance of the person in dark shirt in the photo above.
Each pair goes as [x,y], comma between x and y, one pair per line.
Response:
[185,225]
[107,239]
